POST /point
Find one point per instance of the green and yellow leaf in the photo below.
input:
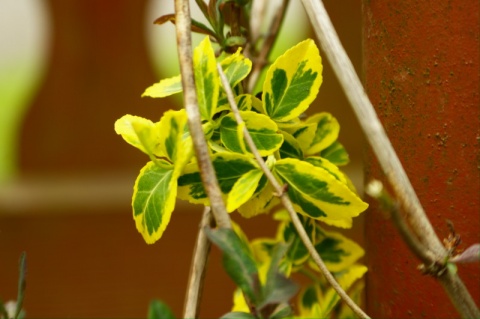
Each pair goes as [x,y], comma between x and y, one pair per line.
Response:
[346,279]
[207,81]
[315,303]
[262,130]
[326,133]
[262,249]
[316,193]
[355,293]
[138,132]
[336,154]
[174,142]
[243,189]
[245,102]
[290,147]
[229,167]
[297,253]
[332,169]
[165,87]
[308,301]
[261,202]
[337,251]
[302,132]
[292,82]
[236,67]
[154,200]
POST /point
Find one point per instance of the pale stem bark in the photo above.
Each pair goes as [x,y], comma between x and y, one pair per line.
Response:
[184,43]
[198,268]
[383,149]
[287,203]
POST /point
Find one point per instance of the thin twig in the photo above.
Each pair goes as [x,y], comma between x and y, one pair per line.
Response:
[261,60]
[198,267]
[184,43]
[385,153]
[287,203]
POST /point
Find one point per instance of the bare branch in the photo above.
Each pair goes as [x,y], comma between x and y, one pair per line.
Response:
[287,203]
[385,153]
[184,43]
[198,268]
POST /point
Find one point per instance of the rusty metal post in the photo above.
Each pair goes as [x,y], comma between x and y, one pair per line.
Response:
[422,74]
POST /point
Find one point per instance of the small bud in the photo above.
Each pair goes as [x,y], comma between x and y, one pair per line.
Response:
[10,307]
[374,188]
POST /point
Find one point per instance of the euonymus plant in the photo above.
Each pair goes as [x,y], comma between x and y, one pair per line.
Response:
[302,152]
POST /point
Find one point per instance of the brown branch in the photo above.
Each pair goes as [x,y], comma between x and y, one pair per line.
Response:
[184,43]
[287,203]
[260,59]
[385,153]
[198,268]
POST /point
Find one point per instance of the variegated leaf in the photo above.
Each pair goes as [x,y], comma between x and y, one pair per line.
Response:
[154,200]
[332,169]
[346,280]
[337,251]
[290,147]
[261,202]
[138,132]
[262,130]
[292,82]
[318,194]
[207,81]
[165,87]
[336,154]
[302,132]
[236,67]
[229,167]
[174,141]
[245,102]
[243,189]
[325,134]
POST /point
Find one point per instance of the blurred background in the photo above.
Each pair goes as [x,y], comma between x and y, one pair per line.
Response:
[68,70]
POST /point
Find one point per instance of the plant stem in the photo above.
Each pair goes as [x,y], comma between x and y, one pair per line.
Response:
[260,60]
[458,294]
[22,284]
[3,311]
[198,268]
[287,203]
[209,179]
[383,149]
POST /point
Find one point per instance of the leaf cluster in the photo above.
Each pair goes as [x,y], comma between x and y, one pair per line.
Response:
[302,152]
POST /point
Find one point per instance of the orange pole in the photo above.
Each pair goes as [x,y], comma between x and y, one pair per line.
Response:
[422,74]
